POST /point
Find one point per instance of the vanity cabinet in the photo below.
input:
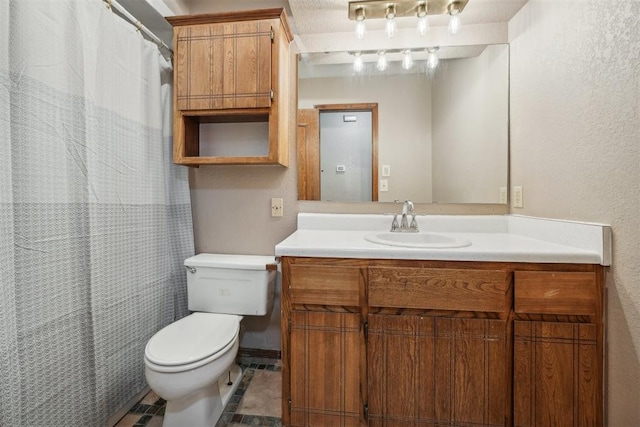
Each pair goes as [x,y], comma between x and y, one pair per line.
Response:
[231,68]
[424,343]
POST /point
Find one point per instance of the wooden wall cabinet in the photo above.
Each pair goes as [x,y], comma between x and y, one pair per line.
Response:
[231,68]
[390,343]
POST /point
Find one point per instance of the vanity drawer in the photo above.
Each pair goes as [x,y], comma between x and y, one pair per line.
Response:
[325,285]
[552,292]
[440,289]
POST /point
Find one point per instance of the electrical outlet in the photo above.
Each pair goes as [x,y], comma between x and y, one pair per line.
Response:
[503,195]
[517,197]
[384,185]
[277,206]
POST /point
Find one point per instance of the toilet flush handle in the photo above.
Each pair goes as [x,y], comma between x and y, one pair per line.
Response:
[192,270]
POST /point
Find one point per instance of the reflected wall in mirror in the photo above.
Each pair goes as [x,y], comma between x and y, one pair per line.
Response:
[442,133]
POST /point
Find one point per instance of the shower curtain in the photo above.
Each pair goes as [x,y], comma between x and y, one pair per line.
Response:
[95,220]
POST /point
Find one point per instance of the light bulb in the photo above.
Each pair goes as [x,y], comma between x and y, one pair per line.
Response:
[454,17]
[391,27]
[423,26]
[358,66]
[407,60]
[454,24]
[391,21]
[361,29]
[432,58]
[382,61]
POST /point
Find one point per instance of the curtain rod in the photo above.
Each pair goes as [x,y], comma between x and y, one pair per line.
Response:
[113,4]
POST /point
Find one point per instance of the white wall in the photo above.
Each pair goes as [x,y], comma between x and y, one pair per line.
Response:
[404,125]
[470,127]
[575,149]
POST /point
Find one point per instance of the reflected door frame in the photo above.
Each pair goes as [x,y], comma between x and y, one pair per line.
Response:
[308,140]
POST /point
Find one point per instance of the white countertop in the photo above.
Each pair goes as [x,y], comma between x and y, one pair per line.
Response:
[499,238]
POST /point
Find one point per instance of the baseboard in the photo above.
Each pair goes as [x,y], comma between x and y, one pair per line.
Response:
[259,353]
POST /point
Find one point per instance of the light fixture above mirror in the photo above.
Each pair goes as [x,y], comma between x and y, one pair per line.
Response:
[363,10]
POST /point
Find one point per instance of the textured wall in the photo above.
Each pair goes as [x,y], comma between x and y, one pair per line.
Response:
[575,148]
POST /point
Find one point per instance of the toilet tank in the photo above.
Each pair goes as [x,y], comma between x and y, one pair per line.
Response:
[231,284]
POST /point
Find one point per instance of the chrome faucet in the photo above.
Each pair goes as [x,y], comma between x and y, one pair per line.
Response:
[405,225]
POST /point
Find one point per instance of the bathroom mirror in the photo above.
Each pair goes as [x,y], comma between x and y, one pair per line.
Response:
[440,135]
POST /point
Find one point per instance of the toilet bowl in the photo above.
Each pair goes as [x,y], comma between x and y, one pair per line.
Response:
[190,363]
[184,363]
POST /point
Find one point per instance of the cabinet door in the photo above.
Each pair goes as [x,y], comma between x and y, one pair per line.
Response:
[556,381]
[427,371]
[325,369]
[223,65]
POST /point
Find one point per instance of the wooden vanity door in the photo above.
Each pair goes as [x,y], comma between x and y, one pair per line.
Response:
[428,371]
[557,369]
[556,375]
[325,351]
[325,369]
[223,66]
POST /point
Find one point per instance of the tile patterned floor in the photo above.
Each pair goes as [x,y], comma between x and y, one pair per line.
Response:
[240,411]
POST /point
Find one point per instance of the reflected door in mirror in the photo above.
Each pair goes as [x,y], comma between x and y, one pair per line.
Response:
[346,154]
[338,152]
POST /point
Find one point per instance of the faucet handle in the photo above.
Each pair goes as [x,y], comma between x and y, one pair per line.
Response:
[394,224]
[414,223]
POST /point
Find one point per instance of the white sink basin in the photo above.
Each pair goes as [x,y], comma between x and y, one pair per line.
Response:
[418,240]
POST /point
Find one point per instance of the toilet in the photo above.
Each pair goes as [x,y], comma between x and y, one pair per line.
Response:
[191,362]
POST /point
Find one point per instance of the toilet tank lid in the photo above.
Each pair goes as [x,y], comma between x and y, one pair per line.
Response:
[235,262]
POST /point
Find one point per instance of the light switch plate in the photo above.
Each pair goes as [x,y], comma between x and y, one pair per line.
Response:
[384,185]
[386,170]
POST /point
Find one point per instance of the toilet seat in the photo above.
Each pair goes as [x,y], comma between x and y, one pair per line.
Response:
[192,341]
